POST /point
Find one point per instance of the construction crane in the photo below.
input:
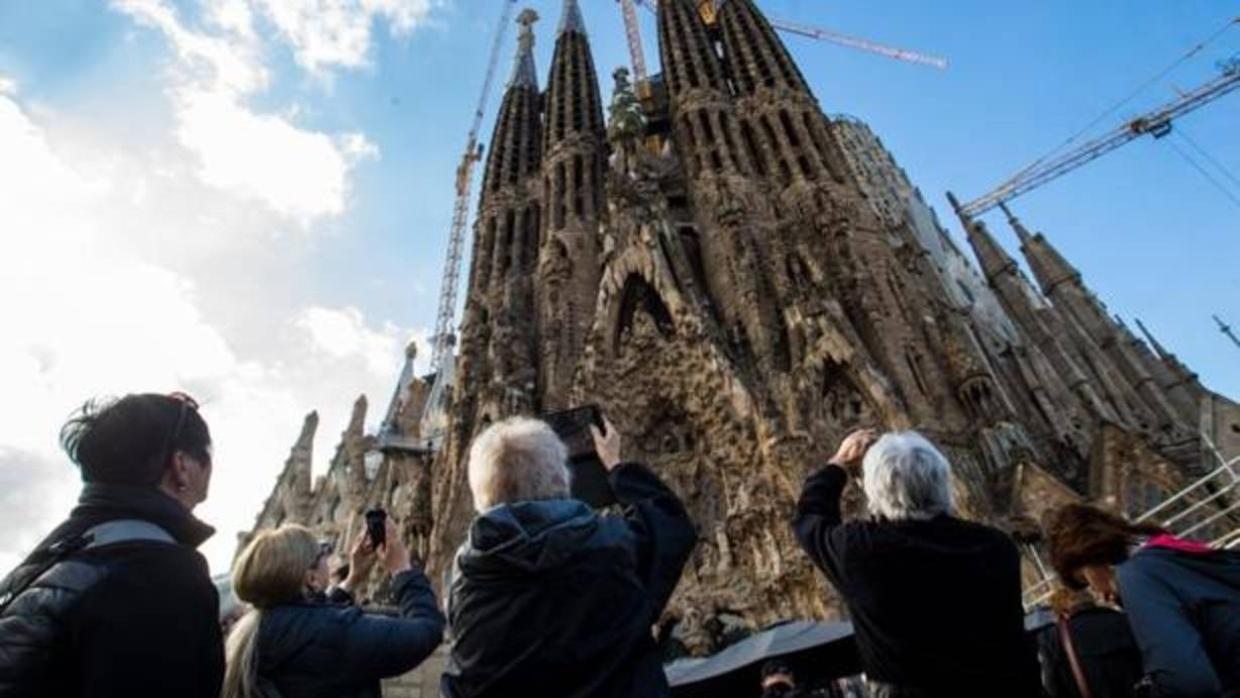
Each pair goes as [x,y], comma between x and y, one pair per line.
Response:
[1156,123]
[1227,331]
[444,336]
[708,9]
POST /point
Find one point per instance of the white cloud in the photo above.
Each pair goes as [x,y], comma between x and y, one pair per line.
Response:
[90,311]
[338,33]
[344,333]
[299,173]
[8,86]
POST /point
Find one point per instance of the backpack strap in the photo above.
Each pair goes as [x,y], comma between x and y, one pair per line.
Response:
[125,531]
[107,533]
[1069,648]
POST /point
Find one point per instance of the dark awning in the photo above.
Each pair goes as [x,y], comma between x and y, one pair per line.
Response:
[823,649]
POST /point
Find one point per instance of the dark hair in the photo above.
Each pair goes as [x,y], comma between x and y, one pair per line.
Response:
[131,441]
[777,666]
[1080,535]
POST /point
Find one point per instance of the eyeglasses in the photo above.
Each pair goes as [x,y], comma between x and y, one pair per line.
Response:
[325,550]
[187,403]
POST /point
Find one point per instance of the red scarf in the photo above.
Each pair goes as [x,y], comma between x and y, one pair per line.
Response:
[1180,545]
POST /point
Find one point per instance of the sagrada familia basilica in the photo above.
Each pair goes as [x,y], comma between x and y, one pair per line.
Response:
[739,280]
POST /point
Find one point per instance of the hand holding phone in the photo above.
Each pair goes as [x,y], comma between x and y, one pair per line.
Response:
[376,527]
[588,470]
[607,444]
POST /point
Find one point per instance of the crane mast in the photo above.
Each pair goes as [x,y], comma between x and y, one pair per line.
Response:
[633,33]
[445,319]
[1156,123]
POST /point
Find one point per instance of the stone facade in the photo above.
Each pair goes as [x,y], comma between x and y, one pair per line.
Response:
[739,281]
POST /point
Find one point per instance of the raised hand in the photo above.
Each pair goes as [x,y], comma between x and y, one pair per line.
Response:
[607,445]
[852,449]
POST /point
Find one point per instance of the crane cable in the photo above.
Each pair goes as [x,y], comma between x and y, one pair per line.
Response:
[1205,173]
[1198,48]
[1209,158]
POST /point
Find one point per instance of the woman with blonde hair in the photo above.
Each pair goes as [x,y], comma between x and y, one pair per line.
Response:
[294,645]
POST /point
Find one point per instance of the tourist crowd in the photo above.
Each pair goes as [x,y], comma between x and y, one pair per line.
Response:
[549,597]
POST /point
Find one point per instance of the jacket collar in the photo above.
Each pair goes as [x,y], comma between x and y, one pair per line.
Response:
[104,502]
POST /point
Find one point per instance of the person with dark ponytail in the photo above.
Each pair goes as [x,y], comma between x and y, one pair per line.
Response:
[1182,598]
[116,601]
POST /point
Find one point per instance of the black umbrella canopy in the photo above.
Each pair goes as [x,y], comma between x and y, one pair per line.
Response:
[814,650]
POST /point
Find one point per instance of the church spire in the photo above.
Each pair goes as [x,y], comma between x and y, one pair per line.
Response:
[757,58]
[574,158]
[994,260]
[687,52]
[570,19]
[1049,267]
[524,74]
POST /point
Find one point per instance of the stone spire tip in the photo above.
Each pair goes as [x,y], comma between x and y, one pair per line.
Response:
[524,73]
[571,20]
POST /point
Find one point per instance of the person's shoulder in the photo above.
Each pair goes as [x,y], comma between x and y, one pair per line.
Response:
[981,532]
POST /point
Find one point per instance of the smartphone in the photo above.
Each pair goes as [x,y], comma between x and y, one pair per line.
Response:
[587,476]
[376,527]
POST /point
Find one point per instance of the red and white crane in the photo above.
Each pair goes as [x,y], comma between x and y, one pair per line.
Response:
[708,9]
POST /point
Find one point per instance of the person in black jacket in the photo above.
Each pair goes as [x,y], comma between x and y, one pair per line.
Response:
[549,598]
[935,600]
[1182,597]
[116,601]
[1106,652]
[296,643]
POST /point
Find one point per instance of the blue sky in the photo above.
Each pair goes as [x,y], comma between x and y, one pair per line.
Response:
[250,198]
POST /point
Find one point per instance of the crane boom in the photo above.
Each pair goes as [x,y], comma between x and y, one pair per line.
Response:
[445,319]
[899,54]
[1156,123]
[707,8]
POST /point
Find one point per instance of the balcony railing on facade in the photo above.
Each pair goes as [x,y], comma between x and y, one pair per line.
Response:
[1206,510]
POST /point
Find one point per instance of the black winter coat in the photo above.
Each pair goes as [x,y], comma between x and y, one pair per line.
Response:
[936,604]
[136,619]
[551,599]
[1107,652]
[325,650]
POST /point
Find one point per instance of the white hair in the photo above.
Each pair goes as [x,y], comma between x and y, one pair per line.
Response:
[906,477]
[518,459]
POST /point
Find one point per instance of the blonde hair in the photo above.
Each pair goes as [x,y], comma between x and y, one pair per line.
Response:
[270,572]
[518,459]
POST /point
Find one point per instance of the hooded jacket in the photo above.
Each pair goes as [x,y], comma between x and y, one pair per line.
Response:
[327,650]
[1184,608]
[551,598]
[138,619]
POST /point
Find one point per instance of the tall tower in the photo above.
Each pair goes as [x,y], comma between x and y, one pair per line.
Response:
[574,156]
[497,371]
[782,125]
[1087,319]
[738,245]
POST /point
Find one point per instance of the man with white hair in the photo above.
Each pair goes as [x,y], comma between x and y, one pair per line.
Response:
[548,597]
[935,600]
